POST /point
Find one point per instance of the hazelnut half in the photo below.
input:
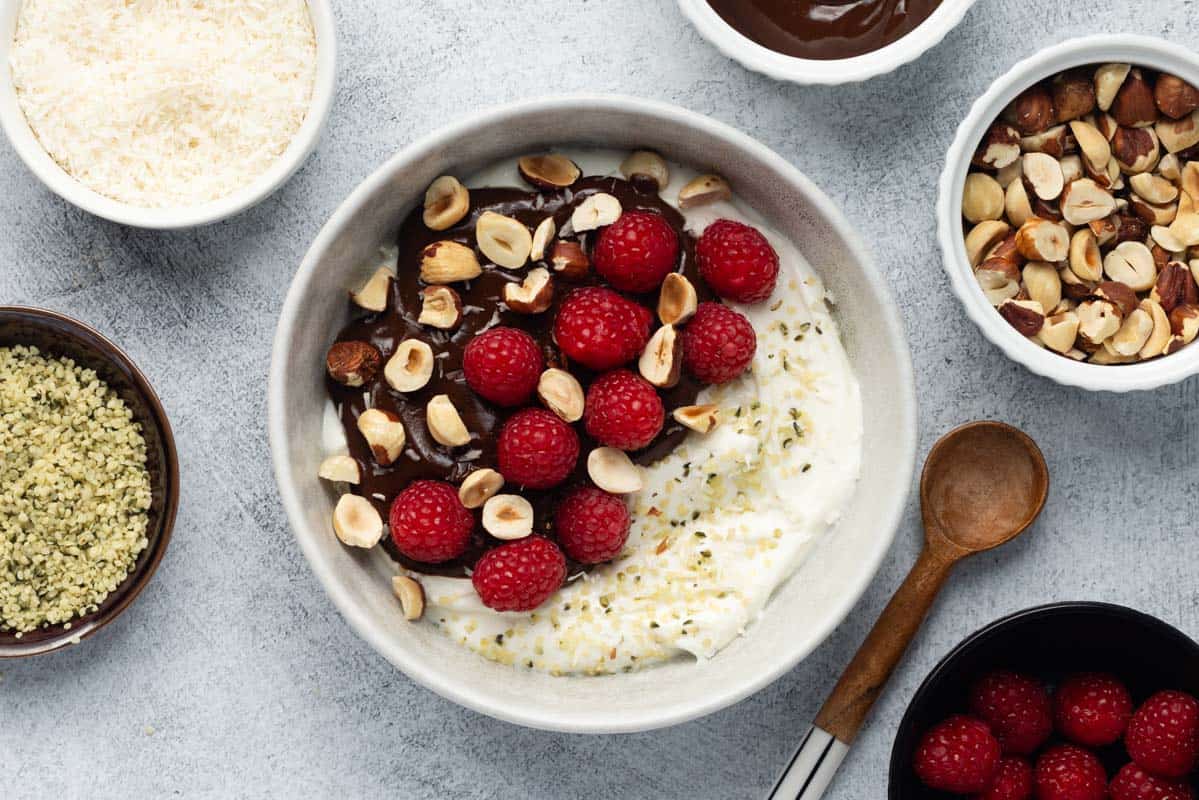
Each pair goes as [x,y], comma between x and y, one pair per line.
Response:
[1085,201]
[561,393]
[1153,188]
[446,203]
[1136,149]
[1044,174]
[982,198]
[1042,240]
[1097,321]
[701,419]
[595,211]
[479,487]
[982,237]
[613,471]
[543,234]
[448,262]
[1132,264]
[649,164]
[1026,316]
[677,300]
[353,363]
[1043,284]
[1059,331]
[549,171]
[1108,80]
[704,190]
[340,469]
[1133,334]
[445,423]
[1086,261]
[441,307]
[1073,96]
[1094,145]
[504,240]
[1155,345]
[1179,135]
[661,361]
[1134,105]
[1175,97]
[532,296]
[999,148]
[373,294]
[410,367]
[508,517]
[356,522]
[384,432]
[569,260]
[411,596]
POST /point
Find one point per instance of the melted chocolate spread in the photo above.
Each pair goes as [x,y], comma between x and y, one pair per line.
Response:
[423,457]
[824,29]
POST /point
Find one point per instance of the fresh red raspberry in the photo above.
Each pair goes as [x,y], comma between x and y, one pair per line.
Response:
[503,365]
[636,252]
[718,344]
[429,523]
[1016,708]
[737,261]
[1066,772]
[600,329]
[1134,783]
[1092,709]
[958,755]
[536,449]
[1013,781]
[592,525]
[1163,734]
[520,575]
[623,410]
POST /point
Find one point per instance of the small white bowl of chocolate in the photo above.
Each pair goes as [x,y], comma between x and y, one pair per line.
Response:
[1069,213]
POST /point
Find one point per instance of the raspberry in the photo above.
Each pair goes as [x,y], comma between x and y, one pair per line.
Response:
[718,344]
[636,252]
[592,525]
[1092,709]
[1134,783]
[601,329]
[737,261]
[958,755]
[1066,772]
[623,411]
[536,449]
[429,523]
[1163,734]
[1016,708]
[1013,781]
[520,575]
[502,365]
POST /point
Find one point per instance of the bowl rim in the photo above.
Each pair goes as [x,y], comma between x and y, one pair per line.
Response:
[470,696]
[57,180]
[824,72]
[1103,48]
[897,764]
[107,350]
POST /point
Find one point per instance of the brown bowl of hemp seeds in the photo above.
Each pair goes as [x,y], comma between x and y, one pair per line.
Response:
[89,481]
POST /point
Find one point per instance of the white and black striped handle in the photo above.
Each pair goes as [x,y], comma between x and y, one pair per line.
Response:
[812,768]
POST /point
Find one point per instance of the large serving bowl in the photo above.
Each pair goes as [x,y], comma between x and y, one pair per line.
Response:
[1103,49]
[39,162]
[57,335]
[804,611]
[783,67]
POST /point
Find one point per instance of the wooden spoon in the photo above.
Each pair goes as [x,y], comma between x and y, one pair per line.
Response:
[983,484]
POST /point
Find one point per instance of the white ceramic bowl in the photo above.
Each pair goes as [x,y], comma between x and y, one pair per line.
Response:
[804,611]
[1142,50]
[15,126]
[829,72]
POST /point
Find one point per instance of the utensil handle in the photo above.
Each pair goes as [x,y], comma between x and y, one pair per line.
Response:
[864,678]
[812,768]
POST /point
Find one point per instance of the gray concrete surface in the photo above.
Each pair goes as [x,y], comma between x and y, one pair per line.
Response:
[233,676]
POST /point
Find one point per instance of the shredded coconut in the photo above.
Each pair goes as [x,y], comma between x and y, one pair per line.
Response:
[164,103]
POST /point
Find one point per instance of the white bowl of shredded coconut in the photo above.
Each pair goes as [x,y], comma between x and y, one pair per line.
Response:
[166,114]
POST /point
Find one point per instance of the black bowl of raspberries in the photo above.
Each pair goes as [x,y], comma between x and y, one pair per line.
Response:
[1070,701]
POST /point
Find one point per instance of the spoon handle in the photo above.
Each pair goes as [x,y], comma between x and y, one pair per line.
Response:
[812,767]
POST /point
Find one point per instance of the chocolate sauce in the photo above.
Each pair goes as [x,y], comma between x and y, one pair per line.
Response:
[824,30]
[481,299]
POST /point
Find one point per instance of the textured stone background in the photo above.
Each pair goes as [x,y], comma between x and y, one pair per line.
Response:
[233,676]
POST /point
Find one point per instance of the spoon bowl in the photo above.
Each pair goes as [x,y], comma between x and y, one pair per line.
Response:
[983,485]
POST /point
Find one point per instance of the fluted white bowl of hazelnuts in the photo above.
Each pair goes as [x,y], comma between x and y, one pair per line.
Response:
[1069,213]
